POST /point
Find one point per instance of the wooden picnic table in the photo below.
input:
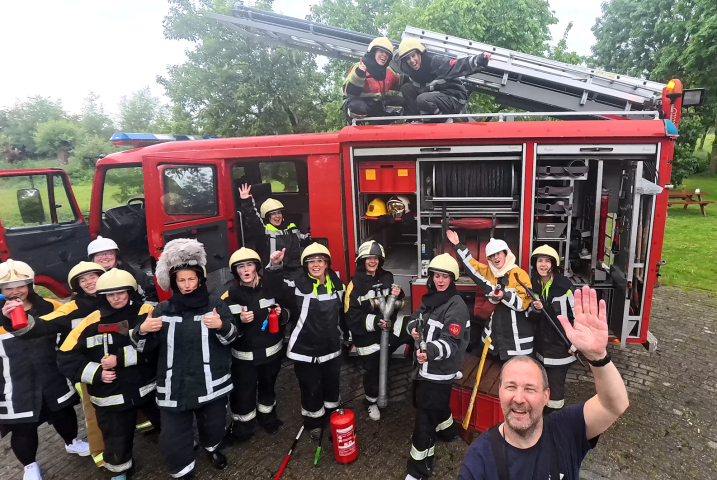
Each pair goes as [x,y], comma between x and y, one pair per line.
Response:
[687,197]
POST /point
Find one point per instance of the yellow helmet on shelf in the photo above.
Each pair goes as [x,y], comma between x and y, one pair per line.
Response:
[376,208]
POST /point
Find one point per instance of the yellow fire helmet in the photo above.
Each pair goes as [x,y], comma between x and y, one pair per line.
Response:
[14,273]
[546,251]
[270,206]
[116,280]
[82,268]
[313,250]
[371,249]
[244,255]
[376,208]
[408,45]
[383,43]
[444,263]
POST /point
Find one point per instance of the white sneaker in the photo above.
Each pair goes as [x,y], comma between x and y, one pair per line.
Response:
[374,413]
[32,472]
[78,447]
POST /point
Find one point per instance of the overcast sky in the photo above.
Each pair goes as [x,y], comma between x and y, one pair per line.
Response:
[63,49]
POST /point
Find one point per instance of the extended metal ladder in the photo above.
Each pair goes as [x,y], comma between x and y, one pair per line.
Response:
[515,79]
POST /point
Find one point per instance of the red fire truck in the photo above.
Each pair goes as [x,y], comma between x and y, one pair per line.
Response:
[591,185]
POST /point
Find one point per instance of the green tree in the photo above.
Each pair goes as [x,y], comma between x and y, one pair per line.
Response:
[58,137]
[91,148]
[232,86]
[24,117]
[138,111]
[93,118]
[560,52]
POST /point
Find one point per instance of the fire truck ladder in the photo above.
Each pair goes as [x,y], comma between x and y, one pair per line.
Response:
[515,79]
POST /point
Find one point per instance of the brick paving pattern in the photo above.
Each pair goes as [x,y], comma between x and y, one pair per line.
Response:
[668,432]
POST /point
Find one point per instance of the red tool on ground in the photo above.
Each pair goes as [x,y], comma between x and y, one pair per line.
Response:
[288,455]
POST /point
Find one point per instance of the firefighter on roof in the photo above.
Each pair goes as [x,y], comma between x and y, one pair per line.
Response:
[193,331]
[363,316]
[442,322]
[371,86]
[32,389]
[120,380]
[83,283]
[273,231]
[435,87]
[508,325]
[257,351]
[555,292]
[106,252]
[315,343]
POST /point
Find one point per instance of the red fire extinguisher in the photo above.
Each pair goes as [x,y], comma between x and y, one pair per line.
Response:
[273,321]
[343,432]
[18,316]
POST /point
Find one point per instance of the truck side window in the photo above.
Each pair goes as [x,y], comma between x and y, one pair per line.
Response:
[281,176]
[24,201]
[120,185]
[189,191]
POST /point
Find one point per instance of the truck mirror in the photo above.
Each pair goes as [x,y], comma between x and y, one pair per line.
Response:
[29,203]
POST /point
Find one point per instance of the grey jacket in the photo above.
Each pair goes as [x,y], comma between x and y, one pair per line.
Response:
[446,331]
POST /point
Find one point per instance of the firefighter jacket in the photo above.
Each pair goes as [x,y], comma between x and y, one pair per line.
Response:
[509,328]
[193,366]
[145,284]
[360,83]
[439,73]
[317,334]
[270,238]
[445,329]
[29,375]
[363,314]
[254,343]
[557,299]
[82,352]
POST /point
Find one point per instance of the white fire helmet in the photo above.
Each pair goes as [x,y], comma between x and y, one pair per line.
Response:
[398,205]
[495,246]
[101,244]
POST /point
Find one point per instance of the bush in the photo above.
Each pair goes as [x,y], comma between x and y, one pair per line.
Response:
[90,150]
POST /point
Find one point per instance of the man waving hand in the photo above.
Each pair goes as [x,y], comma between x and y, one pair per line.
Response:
[530,446]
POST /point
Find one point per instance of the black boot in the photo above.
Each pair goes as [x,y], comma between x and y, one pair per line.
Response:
[242,431]
[270,422]
[218,459]
[188,476]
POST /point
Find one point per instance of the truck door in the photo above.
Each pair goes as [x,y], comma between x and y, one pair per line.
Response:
[191,204]
[42,225]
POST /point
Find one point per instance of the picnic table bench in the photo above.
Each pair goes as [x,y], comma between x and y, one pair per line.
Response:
[687,197]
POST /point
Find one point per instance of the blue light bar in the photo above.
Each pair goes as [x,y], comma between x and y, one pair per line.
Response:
[145,139]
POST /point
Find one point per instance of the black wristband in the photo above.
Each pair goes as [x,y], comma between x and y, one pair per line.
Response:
[602,362]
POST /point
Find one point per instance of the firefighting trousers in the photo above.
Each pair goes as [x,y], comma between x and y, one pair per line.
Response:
[24,440]
[253,395]
[556,382]
[370,107]
[118,429]
[419,102]
[176,440]
[372,363]
[319,385]
[433,420]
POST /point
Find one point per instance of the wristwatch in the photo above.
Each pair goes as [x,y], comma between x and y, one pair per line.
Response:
[602,362]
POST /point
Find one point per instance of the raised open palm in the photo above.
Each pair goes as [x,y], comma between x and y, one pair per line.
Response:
[589,333]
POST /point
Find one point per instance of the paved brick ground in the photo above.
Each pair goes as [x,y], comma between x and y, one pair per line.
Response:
[670,430]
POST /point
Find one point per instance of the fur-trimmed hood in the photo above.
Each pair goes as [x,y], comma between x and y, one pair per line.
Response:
[177,253]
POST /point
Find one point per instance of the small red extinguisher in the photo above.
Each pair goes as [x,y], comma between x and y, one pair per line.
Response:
[273,321]
[343,432]
[18,316]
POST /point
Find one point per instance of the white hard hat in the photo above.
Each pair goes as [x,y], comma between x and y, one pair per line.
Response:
[495,246]
[101,244]
[14,273]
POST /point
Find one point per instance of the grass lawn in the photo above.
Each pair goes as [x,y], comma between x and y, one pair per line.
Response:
[690,247]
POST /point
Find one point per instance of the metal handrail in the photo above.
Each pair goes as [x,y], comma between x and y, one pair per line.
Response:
[502,116]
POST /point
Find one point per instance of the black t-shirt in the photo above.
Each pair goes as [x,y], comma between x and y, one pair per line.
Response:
[565,430]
